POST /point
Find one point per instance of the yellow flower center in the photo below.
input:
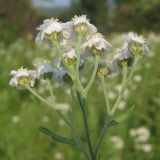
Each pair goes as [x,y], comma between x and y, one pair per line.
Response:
[24,81]
[81,28]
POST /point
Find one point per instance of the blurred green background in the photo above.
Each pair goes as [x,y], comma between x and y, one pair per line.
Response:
[21,113]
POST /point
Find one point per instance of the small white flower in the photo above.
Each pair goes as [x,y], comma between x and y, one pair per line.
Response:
[117,142]
[96,44]
[141,134]
[137,78]
[121,59]
[111,95]
[132,132]
[61,122]
[133,37]
[44,68]
[45,119]
[58,156]
[135,44]
[15,119]
[22,77]
[70,56]
[122,105]
[118,88]
[148,65]
[51,29]
[126,94]
[146,148]
[81,25]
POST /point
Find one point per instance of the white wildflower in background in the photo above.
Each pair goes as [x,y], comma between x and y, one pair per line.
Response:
[22,77]
[62,106]
[117,142]
[141,134]
[45,119]
[126,94]
[15,119]
[146,148]
[58,156]
[137,78]
[148,65]
[61,122]
[118,88]
[122,105]
[112,95]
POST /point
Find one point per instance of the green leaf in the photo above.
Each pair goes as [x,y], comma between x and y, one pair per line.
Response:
[122,118]
[56,136]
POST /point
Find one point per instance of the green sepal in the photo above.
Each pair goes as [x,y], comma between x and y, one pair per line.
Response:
[56,136]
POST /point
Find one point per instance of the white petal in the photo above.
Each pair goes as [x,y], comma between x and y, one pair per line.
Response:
[13,82]
[40,37]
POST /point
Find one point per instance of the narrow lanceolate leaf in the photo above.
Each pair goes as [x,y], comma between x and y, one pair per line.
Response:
[122,118]
[56,136]
[108,123]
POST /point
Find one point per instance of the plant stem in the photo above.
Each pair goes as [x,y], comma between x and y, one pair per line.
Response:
[93,75]
[78,49]
[82,102]
[78,141]
[105,94]
[125,82]
[101,137]
[78,54]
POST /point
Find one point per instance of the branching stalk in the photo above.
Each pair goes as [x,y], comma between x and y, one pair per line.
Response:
[105,94]
[93,75]
[82,102]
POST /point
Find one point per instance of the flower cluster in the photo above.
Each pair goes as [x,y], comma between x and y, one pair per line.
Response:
[64,37]
[79,49]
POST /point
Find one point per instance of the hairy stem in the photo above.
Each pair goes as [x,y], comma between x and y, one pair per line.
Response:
[105,94]
[93,75]
[82,102]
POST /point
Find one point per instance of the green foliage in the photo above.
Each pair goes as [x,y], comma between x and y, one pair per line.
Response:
[56,136]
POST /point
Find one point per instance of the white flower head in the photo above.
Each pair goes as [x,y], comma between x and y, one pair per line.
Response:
[146,148]
[44,69]
[51,30]
[121,59]
[96,44]
[103,68]
[135,44]
[141,134]
[70,56]
[81,25]
[60,74]
[22,77]
[117,142]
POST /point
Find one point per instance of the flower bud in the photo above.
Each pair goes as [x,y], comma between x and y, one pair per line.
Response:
[70,56]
